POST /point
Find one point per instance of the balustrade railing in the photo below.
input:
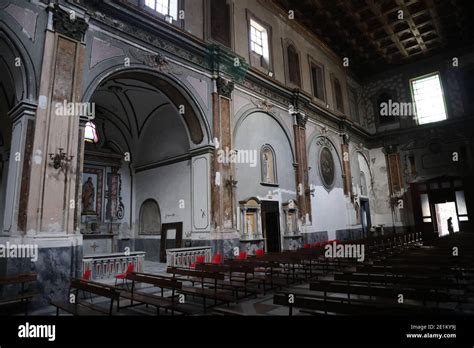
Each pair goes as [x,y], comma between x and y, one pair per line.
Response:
[184,257]
[107,266]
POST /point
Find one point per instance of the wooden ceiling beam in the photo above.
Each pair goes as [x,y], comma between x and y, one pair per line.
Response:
[388,29]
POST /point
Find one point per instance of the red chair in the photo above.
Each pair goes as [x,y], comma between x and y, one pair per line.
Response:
[123,276]
[259,252]
[307,246]
[217,259]
[199,259]
[87,275]
[242,256]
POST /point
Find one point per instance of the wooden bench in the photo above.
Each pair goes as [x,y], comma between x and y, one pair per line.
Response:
[426,282]
[78,307]
[23,296]
[321,305]
[215,294]
[346,288]
[240,277]
[158,301]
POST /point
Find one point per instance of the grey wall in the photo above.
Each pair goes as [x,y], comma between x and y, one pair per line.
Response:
[256,130]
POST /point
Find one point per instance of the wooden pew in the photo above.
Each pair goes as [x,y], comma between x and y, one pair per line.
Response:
[241,277]
[202,292]
[335,287]
[23,295]
[78,307]
[320,305]
[158,301]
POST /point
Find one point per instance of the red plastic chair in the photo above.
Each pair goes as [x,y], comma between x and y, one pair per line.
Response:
[123,276]
[199,259]
[259,252]
[87,275]
[217,259]
[242,256]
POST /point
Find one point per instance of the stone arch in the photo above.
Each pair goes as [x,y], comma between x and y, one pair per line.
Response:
[313,138]
[23,77]
[246,113]
[197,127]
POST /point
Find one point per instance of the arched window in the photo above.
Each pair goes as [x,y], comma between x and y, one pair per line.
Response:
[90,133]
[268,165]
[293,65]
[150,217]
[363,184]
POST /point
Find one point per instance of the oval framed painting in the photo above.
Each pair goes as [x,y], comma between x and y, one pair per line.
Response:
[326,167]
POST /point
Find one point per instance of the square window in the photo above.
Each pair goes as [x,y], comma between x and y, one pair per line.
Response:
[428,96]
[164,7]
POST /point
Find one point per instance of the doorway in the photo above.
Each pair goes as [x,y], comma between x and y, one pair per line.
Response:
[271,226]
[365,216]
[171,238]
[445,211]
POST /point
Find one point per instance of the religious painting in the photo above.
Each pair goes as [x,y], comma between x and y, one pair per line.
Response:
[92,191]
[291,223]
[268,165]
[326,167]
[111,196]
[251,223]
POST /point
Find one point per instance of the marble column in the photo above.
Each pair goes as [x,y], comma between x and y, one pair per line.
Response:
[301,167]
[222,187]
[52,199]
[346,168]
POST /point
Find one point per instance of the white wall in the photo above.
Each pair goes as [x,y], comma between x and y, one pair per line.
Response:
[167,185]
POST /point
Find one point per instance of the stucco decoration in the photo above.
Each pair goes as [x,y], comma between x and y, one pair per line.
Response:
[66,24]
[102,50]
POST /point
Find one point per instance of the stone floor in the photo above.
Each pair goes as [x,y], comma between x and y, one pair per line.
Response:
[262,305]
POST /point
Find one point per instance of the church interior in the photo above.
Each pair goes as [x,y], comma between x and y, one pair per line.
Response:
[308,158]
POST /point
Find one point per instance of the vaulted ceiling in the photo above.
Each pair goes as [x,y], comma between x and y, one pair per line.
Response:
[379,34]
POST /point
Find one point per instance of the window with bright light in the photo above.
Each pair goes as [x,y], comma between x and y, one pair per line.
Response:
[90,133]
[429,99]
[165,7]
[258,39]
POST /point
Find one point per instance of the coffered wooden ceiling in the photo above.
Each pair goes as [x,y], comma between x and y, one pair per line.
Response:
[373,34]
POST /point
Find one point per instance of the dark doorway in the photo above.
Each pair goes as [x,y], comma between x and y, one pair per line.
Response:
[271,226]
[171,237]
[365,216]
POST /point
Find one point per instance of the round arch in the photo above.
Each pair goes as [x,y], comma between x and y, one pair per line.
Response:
[316,136]
[241,118]
[365,159]
[150,217]
[196,125]
[17,61]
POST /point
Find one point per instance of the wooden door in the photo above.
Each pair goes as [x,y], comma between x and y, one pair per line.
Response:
[171,237]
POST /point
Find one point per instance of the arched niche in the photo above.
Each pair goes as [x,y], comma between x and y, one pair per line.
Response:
[150,218]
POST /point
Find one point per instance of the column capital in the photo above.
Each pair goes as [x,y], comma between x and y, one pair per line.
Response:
[68,24]
[301,119]
[22,108]
[224,87]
